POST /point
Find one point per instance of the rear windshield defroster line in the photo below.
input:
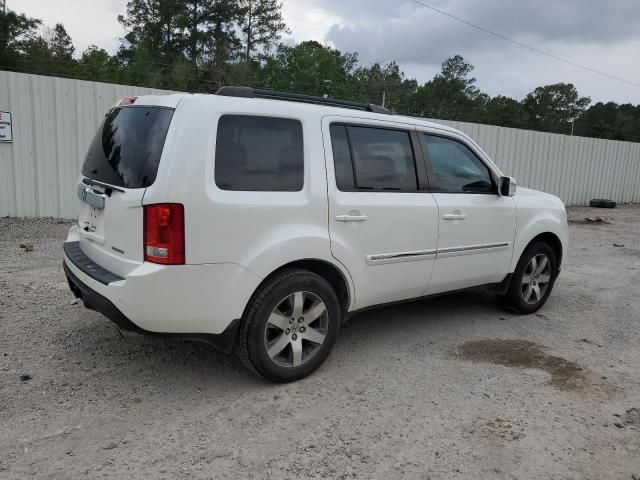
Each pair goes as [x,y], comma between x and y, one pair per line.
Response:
[126,149]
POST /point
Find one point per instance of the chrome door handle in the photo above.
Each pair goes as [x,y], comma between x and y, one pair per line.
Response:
[454,216]
[352,218]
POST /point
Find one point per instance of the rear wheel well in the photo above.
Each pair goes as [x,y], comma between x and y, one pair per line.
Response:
[327,271]
[553,241]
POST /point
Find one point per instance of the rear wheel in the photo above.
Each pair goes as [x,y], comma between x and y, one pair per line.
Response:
[290,326]
[532,279]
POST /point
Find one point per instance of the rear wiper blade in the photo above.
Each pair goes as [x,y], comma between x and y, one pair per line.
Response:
[109,188]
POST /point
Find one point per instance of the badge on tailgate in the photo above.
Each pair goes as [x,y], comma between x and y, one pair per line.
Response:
[86,194]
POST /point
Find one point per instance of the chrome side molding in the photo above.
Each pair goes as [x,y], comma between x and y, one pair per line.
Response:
[466,250]
[383,258]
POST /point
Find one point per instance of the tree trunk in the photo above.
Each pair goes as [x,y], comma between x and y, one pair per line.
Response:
[249,31]
[194,36]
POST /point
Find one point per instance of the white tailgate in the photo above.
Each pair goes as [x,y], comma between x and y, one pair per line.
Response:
[111,236]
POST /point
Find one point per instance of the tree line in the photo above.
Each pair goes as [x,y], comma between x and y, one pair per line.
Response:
[200,45]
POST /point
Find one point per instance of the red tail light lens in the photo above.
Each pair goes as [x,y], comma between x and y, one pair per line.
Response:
[164,233]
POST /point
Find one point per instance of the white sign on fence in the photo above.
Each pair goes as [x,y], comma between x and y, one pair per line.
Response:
[6,131]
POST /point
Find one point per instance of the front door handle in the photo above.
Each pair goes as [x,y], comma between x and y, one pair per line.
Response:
[454,216]
[352,218]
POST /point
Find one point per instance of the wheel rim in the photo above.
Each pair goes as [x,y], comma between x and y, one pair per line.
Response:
[296,329]
[536,279]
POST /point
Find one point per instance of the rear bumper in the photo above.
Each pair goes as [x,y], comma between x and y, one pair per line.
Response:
[190,301]
[94,301]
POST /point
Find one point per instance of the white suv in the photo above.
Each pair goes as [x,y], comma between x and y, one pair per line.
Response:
[259,221]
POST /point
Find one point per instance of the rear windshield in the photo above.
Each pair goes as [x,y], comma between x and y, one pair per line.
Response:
[126,149]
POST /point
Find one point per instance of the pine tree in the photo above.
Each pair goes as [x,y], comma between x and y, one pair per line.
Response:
[153,25]
[210,40]
[262,25]
[60,44]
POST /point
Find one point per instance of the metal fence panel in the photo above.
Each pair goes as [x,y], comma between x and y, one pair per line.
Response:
[54,119]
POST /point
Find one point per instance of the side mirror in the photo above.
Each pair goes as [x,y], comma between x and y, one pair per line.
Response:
[508,186]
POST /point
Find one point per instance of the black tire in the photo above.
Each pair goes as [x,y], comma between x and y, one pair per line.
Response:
[514,299]
[602,203]
[251,345]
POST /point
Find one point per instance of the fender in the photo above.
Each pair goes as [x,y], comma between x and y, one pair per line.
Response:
[535,219]
[288,245]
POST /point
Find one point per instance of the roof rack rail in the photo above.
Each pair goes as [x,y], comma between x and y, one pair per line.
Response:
[248,92]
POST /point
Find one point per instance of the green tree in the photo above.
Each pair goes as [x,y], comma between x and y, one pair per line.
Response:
[262,25]
[15,31]
[61,44]
[154,26]
[310,68]
[192,19]
[62,49]
[552,108]
[36,57]
[505,112]
[219,41]
[452,94]
[384,84]
[610,120]
[96,64]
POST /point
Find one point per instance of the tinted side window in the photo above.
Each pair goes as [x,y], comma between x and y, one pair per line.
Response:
[457,169]
[259,154]
[381,159]
[342,157]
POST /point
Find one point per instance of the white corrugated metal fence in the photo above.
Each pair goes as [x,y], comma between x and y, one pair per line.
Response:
[54,120]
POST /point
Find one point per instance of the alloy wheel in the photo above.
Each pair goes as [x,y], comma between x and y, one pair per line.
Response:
[296,329]
[536,279]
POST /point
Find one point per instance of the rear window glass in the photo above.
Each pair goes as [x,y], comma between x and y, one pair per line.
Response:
[125,151]
[259,154]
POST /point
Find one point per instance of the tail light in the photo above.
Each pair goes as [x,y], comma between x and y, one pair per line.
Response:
[164,233]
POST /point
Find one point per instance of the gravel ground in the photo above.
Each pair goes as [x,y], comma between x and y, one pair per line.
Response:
[451,387]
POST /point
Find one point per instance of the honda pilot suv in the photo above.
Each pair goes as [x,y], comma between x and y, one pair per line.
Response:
[259,221]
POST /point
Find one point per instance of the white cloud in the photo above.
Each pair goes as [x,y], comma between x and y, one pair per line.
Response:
[87,21]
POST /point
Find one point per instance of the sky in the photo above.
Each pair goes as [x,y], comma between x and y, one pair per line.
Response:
[601,35]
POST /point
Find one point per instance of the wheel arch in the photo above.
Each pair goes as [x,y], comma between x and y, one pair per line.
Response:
[553,241]
[327,270]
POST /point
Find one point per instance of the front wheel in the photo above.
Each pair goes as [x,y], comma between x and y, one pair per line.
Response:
[289,327]
[532,279]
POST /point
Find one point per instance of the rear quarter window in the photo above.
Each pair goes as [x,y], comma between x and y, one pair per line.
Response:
[255,153]
[126,149]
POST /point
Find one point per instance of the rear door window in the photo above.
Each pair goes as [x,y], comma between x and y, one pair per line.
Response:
[126,150]
[255,153]
[370,158]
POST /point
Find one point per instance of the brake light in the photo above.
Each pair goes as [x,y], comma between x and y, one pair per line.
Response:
[127,101]
[164,233]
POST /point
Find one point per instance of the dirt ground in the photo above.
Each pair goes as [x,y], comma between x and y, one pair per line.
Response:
[451,387]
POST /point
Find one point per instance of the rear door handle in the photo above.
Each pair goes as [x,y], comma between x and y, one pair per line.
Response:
[454,216]
[352,218]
